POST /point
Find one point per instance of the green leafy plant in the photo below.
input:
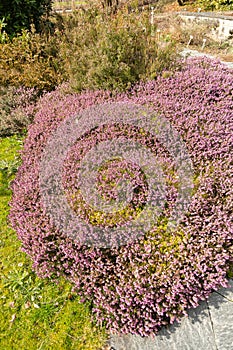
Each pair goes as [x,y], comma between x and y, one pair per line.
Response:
[21,14]
[3,34]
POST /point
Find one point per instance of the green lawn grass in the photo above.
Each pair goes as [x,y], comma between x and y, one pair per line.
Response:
[36,314]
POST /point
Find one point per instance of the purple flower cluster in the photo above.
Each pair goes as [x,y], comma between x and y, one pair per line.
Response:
[148,283]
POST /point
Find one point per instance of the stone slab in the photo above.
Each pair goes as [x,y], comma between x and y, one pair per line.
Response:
[221,315]
[208,327]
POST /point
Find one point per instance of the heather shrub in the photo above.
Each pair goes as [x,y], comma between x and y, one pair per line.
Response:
[17,108]
[113,52]
[150,281]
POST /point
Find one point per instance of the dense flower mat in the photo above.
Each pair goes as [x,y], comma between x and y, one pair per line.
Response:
[148,282]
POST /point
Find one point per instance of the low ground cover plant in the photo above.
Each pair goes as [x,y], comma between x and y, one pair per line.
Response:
[142,285]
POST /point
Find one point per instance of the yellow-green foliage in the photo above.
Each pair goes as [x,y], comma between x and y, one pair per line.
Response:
[9,161]
[167,242]
[96,217]
[36,313]
[31,60]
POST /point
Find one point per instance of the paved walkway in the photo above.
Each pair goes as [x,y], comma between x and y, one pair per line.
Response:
[208,327]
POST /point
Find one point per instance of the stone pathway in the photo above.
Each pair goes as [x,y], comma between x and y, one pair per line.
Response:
[208,327]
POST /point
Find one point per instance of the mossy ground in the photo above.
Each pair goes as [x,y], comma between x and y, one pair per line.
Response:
[35,313]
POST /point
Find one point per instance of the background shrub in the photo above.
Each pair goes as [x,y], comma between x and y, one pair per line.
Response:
[211,5]
[90,49]
[17,108]
[21,14]
[113,52]
[31,60]
[141,286]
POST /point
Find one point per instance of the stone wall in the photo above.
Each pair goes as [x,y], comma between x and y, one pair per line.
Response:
[221,27]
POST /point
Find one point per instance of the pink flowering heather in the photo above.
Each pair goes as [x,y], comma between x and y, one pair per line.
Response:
[146,283]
